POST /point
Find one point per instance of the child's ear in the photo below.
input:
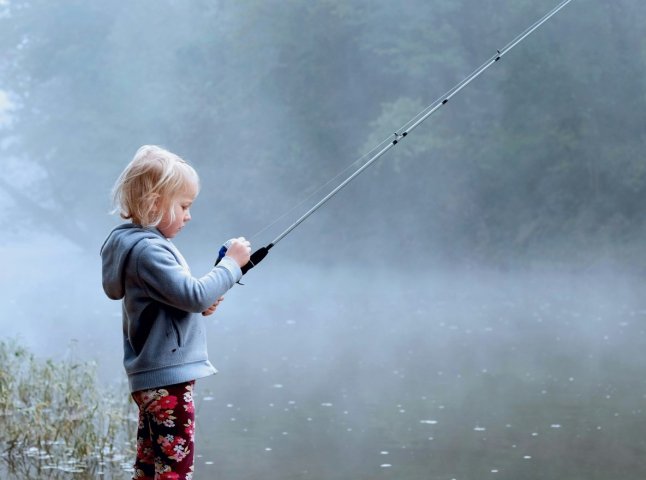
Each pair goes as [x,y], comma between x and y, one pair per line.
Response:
[156,202]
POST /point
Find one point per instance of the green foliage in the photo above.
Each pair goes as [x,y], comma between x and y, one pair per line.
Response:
[55,413]
[545,150]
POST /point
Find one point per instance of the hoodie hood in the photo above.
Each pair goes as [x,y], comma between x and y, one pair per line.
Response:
[115,253]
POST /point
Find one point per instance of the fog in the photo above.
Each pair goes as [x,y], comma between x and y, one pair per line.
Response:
[472,306]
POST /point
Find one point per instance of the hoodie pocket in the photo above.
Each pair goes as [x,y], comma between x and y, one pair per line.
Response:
[139,331]
[177,332]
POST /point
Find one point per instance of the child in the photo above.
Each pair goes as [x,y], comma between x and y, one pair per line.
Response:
[164,337]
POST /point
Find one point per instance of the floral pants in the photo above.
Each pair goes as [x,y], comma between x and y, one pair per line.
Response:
[166,433]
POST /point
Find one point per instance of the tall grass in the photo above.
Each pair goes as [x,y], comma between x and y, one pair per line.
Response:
[55,417]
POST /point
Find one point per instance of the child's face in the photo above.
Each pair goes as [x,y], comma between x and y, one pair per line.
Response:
[181,206]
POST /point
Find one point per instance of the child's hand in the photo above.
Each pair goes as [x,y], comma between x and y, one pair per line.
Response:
[240,251]
[213,307]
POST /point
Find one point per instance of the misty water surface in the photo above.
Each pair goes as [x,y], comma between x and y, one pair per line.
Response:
[334,372]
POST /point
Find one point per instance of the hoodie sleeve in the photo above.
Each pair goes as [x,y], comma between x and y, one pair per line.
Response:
[166,281]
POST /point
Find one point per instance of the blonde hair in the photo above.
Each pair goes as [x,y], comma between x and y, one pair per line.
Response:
[149,185]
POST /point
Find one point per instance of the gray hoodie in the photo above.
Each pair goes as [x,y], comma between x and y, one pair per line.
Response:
[164,336]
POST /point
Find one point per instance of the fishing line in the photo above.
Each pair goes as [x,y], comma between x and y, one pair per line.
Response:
[398,135]
[321,187]
[443,99]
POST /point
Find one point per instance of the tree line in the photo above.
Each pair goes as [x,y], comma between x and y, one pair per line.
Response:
[542,157]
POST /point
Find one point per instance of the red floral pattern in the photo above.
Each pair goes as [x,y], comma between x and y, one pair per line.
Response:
[166,433]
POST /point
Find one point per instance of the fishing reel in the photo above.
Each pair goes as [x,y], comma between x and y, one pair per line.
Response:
[256,257]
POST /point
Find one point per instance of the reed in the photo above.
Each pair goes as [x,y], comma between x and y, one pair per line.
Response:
[54,415]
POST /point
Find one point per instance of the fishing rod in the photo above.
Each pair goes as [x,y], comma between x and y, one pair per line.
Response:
[399,135]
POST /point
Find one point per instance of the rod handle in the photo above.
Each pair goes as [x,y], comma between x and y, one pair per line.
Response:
[256,257]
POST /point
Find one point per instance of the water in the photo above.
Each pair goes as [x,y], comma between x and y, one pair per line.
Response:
[330,374]
[465,376]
